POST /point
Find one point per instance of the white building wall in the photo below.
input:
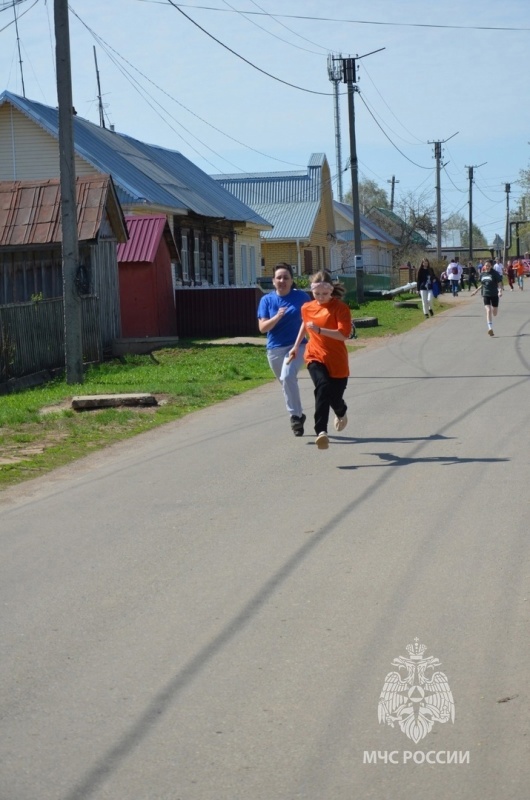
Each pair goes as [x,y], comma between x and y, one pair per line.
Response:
[29,153]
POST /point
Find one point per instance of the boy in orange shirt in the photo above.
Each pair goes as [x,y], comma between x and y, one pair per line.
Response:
[327,320]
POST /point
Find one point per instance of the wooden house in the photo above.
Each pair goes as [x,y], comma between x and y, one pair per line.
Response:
[299,204]
[144,263]
[217,235]
[30,245]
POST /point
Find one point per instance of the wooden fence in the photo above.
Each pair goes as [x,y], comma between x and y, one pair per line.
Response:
[32,336]
[211,313]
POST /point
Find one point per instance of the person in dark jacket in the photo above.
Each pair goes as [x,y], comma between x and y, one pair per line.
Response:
[472,276]
[424,282]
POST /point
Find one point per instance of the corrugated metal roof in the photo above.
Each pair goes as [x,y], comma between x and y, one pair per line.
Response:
[290,220]
[142,172]
[30,210]
[369,230]
[145,233]
[259,188]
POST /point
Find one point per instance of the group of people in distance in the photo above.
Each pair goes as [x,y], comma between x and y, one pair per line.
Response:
[515,272]
[300,329]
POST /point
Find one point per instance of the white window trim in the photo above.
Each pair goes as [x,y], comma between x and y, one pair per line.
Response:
[215,261]
[197,260]
[244,265]
[252,264]
[184,257]
[226,270]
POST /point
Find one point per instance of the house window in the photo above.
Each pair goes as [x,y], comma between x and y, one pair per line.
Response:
[197,260]
[226,264]
[184,257]
[215,261]
[252,260]
[244,270]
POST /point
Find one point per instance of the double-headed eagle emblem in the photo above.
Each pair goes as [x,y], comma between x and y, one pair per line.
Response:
[414,697]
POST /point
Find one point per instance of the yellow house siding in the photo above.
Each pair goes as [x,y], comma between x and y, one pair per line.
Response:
[29,153]
[247,239]
[276,252]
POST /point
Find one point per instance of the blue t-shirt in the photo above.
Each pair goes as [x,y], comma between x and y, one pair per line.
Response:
[286,330]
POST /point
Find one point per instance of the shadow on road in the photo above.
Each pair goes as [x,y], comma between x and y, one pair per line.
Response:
[392,460]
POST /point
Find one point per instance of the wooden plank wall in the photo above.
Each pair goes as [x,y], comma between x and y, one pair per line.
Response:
[32,336]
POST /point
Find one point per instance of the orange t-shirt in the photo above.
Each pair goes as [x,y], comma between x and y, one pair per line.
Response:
[519,268]
[334,315]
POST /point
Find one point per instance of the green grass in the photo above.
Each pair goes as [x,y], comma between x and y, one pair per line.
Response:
[392,320]
[188,377]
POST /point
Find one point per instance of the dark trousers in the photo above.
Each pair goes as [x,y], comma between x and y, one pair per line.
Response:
[328,394]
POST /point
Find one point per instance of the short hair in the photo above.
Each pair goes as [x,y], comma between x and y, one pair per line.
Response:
[283,265]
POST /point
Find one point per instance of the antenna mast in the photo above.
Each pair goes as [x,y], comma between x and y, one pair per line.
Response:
[100,101]
[18,45]
[335,76]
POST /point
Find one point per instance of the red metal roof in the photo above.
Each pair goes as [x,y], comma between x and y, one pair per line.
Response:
[145,233]
[30,210]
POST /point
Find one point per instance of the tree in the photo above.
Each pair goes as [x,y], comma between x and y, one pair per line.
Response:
[370,195]
[460,223]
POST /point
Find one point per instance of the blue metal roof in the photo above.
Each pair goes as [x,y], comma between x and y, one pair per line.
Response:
[143,172]
[277,187]
[290,220]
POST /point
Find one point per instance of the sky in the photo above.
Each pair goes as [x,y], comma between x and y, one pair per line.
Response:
[454,72]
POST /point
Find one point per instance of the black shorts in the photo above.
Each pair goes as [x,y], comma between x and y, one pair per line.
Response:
[491,301]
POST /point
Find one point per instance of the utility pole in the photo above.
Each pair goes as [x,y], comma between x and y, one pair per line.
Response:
[470,176]
[438,157]
[335,76]
[73,345]
[507,188]
[349,77]
[393,182]
[100,101]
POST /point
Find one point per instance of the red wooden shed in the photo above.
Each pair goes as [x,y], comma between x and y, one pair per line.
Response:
[147,297]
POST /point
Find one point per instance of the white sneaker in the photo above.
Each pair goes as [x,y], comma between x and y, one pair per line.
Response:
[322,441]
[339,423]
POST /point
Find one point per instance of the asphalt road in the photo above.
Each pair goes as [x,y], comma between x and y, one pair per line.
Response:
[210,612]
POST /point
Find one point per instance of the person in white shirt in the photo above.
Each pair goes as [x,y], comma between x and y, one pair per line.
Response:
[499,267]
[454,271]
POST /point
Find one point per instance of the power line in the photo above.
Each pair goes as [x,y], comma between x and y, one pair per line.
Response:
[104,44]
[254,66]
[273,16]
[462,191]
[355,21]
[419,141]
[270,33]
[388,137]
[11,5]
[392,130]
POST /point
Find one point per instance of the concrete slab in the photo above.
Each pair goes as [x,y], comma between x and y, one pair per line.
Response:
[84,402]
